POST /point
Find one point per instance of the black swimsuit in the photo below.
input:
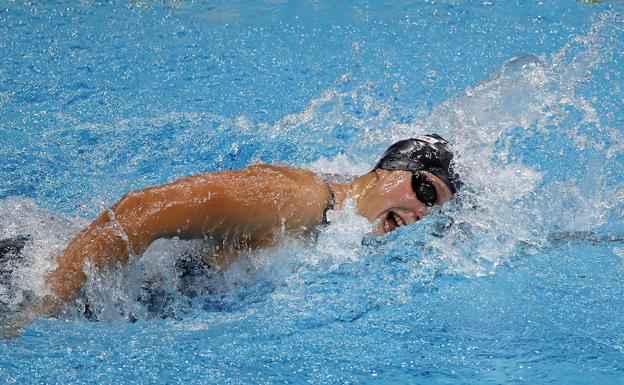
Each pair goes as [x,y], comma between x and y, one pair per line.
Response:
[330,202]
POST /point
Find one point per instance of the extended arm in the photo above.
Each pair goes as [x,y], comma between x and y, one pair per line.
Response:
[257,203]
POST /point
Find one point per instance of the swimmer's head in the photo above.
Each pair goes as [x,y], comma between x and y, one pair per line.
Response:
[429,153]
[412,176]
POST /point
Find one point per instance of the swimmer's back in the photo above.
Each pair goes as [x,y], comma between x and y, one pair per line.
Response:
[257,200]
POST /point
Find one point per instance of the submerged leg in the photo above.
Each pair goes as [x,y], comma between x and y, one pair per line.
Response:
[11,321]
[11,255]
[12,245]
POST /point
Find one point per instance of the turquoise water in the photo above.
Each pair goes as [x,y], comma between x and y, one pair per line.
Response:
[519,281]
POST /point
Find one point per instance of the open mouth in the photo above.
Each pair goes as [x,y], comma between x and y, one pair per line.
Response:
[391,221]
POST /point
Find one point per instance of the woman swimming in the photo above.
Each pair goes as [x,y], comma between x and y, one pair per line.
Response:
[255,207]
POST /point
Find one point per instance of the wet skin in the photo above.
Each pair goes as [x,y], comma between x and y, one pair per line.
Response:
[244,209]
[391,201]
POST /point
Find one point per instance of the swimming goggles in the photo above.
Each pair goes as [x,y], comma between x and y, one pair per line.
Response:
[423,188]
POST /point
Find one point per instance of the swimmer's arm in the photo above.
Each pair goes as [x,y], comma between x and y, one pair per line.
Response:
[259,202]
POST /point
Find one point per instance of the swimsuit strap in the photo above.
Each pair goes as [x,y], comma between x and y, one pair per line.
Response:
[330,202]
[332,197]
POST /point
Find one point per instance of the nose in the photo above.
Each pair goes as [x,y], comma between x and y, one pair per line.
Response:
[412,209]
[417,208]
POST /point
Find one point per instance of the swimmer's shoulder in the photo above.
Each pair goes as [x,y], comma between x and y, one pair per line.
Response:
[267,178]
[309,187]
[293,173]
[269,171]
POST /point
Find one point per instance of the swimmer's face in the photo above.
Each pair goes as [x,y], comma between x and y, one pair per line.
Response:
[391,202]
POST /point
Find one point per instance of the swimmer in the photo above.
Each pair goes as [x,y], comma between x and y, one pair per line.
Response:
[253,208]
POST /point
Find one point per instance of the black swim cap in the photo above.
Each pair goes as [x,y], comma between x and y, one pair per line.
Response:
[422,153]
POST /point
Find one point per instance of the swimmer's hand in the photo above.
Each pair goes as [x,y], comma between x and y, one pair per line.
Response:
[12,325]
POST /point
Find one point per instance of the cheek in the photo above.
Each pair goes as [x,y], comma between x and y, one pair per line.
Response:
[391,188]
[392,196]
[404,198]
[373,204]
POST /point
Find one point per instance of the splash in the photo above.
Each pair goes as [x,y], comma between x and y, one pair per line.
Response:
[539,155]
[48,234]
[537,145]
[536,155]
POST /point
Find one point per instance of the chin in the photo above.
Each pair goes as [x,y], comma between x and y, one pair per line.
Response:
[377,229]
[381,226]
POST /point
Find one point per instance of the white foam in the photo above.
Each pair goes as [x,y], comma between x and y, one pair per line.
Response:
[49,234]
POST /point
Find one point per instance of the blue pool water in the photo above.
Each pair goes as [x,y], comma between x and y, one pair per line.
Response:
[517,282]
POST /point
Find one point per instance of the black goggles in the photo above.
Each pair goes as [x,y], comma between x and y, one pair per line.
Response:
[423,188]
